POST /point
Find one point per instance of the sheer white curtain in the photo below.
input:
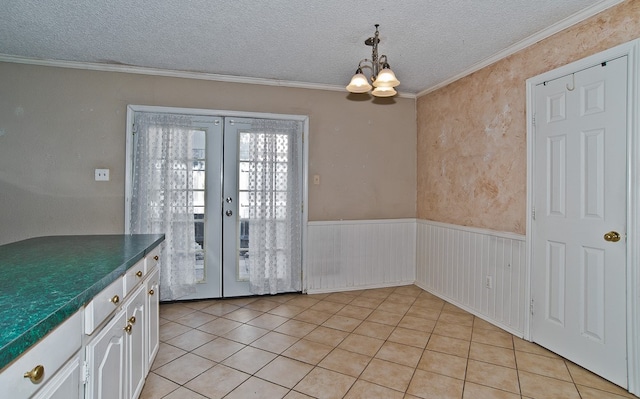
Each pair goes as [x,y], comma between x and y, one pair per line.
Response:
[275,206]
[162,200]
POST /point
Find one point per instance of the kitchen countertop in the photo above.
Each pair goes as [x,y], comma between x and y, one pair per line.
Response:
[45,280]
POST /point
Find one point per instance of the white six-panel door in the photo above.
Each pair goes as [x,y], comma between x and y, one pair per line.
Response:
[579,277]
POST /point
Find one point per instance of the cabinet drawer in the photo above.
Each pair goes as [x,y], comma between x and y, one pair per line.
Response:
[103,305]
[152,258]
[52,352]
[134,276]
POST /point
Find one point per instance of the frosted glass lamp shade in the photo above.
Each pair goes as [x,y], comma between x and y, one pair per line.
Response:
[384,92]
[386,78]
[359,84]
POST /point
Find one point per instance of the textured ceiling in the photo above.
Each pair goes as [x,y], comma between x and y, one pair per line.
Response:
[316,42]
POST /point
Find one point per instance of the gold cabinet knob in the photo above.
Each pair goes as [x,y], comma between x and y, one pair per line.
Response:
[128,328]
[612,236]
[156,257]
[151,292]
[139,273]
[132,320]
[115,300]
[36,374]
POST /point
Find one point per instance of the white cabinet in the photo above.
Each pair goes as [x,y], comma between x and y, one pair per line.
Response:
[66,383]
[136,341]
[153,316]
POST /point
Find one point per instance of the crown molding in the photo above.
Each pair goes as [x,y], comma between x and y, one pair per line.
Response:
[521,45]
[93,66]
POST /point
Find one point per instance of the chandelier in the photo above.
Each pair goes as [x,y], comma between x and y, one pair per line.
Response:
[382,77]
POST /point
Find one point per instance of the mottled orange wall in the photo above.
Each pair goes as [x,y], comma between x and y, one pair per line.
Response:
[472,133]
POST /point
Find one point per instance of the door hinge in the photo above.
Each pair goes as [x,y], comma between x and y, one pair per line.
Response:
[134,129]
[533,213]
[302,208]
[531,307]
[533,119]
[85,372]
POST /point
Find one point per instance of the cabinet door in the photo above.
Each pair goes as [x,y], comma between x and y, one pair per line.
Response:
[106,359]
[66,383]
[136,352]
[152,324]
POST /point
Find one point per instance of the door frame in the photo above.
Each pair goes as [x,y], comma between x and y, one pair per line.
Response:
[132,109]
[632,51]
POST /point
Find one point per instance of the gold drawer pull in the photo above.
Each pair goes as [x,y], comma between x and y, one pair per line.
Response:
[36,374]
[151,292]
[115,300]
[132,320]
[156,257]
[127,329]
[139,273]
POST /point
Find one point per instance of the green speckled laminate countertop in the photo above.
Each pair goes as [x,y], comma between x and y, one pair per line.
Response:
[45,280]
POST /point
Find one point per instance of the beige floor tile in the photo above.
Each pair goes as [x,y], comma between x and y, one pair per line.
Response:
[452,346]
[243,315]
[220,308]
[313,316]
[543,365]
[378,293]
[328,307]
[388,374]
[453,330]
[325,384]
[195,319]
[374,330]
[541,387]
[367,390]
[184,393]
[588,379]
[257,389]
[174,311]
[499,377]
[287,310]
[417,323]
[284,371]
[249,359]
[464,319]
[360,344]
[491,337]
[245,334]
[492,354]
[268,321]
[423,313]
[217,382]
[476,391]
[156,386]
[184,368]
[342,323]
[442,363]
[400,353]
[453,308]
[393,307]
[479,323]
[429,302]
[191,340]
[409,290]
[275,342]
[171,330]
[366,302]
[401,299]
[341,297]
[345,362]
[198,305]
[327,336]
[218,349]
[297,395]
[166,353]
[354,312]
[219,326]
[296,328]
[435,386]
[382,317]
[308,351]
[406,336]
[303,301]
[526,346]
[242,301]
[592,393]
[263,305]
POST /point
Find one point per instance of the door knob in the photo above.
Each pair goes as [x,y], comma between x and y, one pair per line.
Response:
[229,213]
[229,200]
[612,236]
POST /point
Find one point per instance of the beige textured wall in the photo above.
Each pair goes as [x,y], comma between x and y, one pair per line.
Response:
[472,133]
[57,125]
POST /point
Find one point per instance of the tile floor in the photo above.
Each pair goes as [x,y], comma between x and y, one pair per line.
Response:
[399,342]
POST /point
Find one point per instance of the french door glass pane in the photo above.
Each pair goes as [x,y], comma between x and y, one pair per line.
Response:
[199,174]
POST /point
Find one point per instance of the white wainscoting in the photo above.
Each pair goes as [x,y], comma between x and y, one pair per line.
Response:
[453,263]
[359,254]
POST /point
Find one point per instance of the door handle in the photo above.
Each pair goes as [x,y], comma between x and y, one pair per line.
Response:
[229,200]
[612,236]
[229,213]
